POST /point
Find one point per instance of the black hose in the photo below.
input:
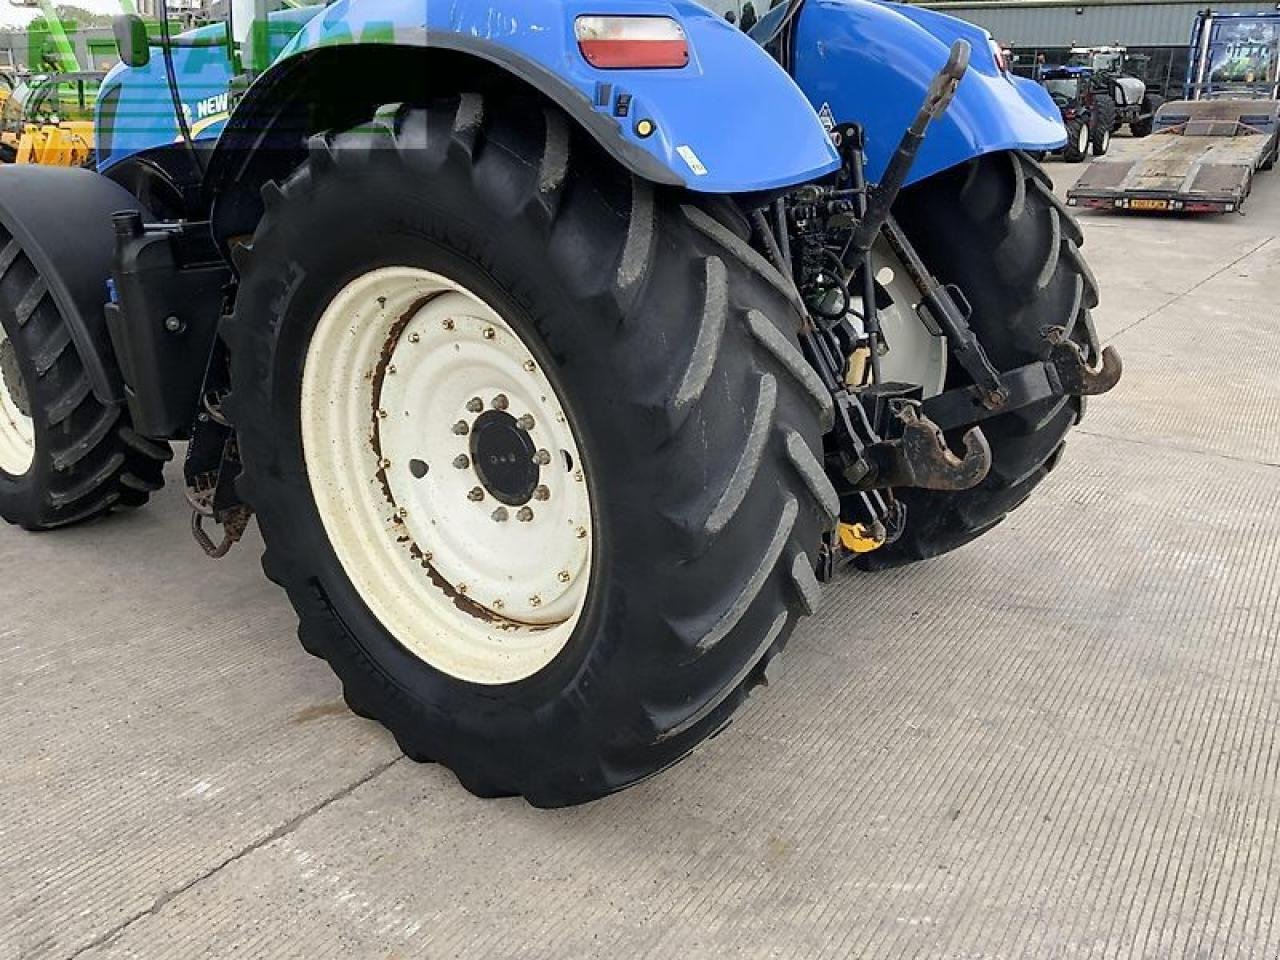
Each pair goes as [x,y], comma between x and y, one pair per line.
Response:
[174,95]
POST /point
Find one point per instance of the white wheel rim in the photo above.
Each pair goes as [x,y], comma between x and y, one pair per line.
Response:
[1106,140]
[395,366]
[1082,141]
[911,353]
[17,429]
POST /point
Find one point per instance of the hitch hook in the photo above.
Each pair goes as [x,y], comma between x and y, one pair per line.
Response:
[1075,374]
[921,457]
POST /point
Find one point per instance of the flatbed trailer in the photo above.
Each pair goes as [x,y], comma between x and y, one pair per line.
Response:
[1206,148]
[1202,158]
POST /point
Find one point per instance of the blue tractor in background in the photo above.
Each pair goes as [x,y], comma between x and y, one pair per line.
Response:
[564,356]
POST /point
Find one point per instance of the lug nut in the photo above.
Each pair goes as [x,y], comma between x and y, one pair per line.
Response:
[402,513]
[525,515]
[529,366]
[461,428]
[382,414]
[475,494]
[582,533]
[391,369]
[535,601]
[498,604]
[542,458]
[462,461]
[475,405]
[414,338]
[462,588]
[488,333]
[447,324]
[500,402]
[525,423]
[564,576]
[540,492]
[500,515]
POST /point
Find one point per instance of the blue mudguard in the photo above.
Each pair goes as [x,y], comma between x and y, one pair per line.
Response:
[871,62]
[731,121]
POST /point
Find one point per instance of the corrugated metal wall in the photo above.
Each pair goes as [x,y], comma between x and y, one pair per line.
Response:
[1053,23]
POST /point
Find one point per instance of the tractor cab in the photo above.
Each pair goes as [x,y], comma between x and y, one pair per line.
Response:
[1068,86]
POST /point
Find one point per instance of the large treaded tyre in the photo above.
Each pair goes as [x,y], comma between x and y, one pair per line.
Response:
[1078,140]
[87,459]
[995,228]
[698,422]
[1150,104]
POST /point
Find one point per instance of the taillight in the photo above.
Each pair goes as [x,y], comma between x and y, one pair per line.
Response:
[619,43]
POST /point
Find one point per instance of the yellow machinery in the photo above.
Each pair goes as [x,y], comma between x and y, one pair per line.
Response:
[48,119]
[65,144]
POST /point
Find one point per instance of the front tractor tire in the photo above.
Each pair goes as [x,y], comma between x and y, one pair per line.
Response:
[1078,140]
[531,443]
[994,228]
[65,457]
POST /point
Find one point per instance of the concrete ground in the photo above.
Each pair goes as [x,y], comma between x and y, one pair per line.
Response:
[1059,742]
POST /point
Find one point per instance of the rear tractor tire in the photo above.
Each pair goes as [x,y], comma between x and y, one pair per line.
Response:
[531,444]
[64,456]
[994,228]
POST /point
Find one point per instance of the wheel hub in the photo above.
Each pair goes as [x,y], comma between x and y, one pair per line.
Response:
[504,458]
[447,475]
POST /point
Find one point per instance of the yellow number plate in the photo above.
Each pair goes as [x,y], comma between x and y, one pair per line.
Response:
[1148,204]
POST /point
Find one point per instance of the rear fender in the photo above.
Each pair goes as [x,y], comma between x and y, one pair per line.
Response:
[731,121]
[871,63]
[61,218]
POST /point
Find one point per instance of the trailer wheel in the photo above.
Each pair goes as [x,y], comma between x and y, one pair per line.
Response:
[995,228]
[531,444]
[64,457]
[1077,147]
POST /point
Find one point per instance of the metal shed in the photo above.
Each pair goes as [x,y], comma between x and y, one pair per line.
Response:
[1066,23]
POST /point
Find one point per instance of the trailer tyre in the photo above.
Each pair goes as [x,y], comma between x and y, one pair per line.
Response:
[1104,113]
[491,288]
[64,456]
[995,228]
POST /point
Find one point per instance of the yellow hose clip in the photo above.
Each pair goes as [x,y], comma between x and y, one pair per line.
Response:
[859,538]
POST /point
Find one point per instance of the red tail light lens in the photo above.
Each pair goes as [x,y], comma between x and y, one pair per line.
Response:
[634,43]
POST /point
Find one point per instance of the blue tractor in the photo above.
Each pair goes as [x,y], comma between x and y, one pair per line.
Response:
[563,357]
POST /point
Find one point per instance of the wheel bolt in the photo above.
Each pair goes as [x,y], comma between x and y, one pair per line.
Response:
[488,333]
[525,423]
[385,464]
[524,515]
[475,405]
[498,604]
[462,588]
[540,492]
[402,513]
[447,324]
[414,338]
[462,461]
[529,366]
[582,533]
[535,601]
[564,576]
[461,428]
[500,402]
[542,458]
[475,494]
[382,414]
[500,515]
[391,370]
